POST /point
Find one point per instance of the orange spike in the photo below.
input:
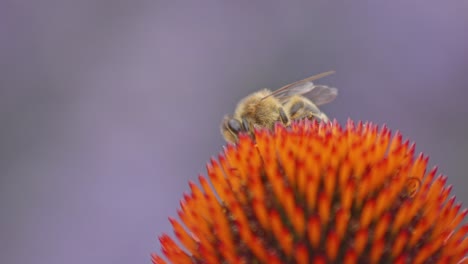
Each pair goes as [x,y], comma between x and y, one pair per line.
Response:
[382,226]
[183,236]
[287,161]
[377,250]
[419,230]
[298,221]
[435,188]
[348,193]
[419,167]
[200,230]
[422,255]
[350,257]
[227,255]
[301,254]
[256,188]
[462,249]
[258,248]
[341,222]
[301,179]
[314,230]
[283,236]
[198,196]
[261,213]
[330,181]
[223,231]
[366,214]
[241,221]
[400,242]
[225,245]
[457,217]
[312,189]
[446,260]
[457,236]
[383,201]
[324,208]
[401,217]
[356,158]
[272,258]
[287,200]
[344,173]
[206,187]
[217,177]
[278,185]
[363,190]
[319,260]
[332,244]
[402,259]
[157,259]
[207,255]
[172,251]
[360,240]
[286,241]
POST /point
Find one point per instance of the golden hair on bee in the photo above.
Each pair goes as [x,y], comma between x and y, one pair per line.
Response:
[258,110]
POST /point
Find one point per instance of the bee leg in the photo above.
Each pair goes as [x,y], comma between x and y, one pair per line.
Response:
[323,117]
[296,107]
[248,129]
[245,124]
[313,111]
[230,129]
[283,117]
[300,110]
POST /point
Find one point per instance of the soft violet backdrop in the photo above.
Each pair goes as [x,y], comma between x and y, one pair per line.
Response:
[109,108]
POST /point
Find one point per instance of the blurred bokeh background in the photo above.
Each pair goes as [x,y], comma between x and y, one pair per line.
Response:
[108,108]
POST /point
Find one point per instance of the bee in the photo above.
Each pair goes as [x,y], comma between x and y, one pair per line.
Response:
[262,109]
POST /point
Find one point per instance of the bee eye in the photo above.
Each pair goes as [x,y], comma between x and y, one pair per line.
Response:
[234,125]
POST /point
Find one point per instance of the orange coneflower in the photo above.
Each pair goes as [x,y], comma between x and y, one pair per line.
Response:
[318,193]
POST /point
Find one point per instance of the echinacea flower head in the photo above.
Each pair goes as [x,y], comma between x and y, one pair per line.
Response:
[319,193]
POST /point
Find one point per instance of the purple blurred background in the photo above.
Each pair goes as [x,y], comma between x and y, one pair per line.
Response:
[109,108]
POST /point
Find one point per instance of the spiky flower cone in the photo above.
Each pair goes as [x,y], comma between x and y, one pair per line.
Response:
[318,193]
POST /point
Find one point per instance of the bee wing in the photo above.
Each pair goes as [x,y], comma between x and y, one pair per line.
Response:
[318,94]
[296,89]
[323,94]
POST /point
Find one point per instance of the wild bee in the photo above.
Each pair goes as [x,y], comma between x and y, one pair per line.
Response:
[264,108]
